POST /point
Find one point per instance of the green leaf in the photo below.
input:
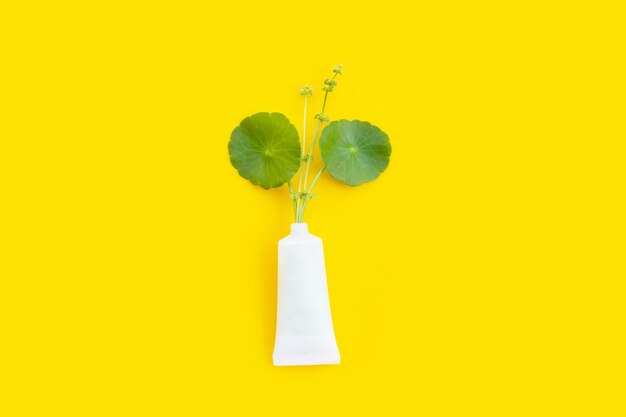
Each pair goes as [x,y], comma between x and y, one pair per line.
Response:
[354,151]
[265,149]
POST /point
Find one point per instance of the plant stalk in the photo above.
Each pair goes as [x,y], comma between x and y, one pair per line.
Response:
[317,129]
[307,197]
[303,198]
[306,98]
[295,204]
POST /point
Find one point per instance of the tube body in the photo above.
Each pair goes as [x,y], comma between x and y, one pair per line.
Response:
[304,326]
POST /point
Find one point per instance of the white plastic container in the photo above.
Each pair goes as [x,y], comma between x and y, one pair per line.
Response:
[304,326]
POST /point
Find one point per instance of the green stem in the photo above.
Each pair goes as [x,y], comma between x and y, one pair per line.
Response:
[317,129]
[295,205]
[306,97]
[308,160]
[308,194]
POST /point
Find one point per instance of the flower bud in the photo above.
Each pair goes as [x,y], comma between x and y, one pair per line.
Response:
[321,117]
[306,91]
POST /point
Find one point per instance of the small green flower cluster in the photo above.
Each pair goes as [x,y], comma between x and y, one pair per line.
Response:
[330,84]
[307,90]
[321,117]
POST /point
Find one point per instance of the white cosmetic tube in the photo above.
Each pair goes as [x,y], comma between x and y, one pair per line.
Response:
[304,326]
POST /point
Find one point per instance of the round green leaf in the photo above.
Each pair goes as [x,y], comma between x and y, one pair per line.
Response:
[354,151]
[265,149]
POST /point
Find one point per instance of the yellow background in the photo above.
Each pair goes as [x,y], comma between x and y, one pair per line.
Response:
[481,274]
